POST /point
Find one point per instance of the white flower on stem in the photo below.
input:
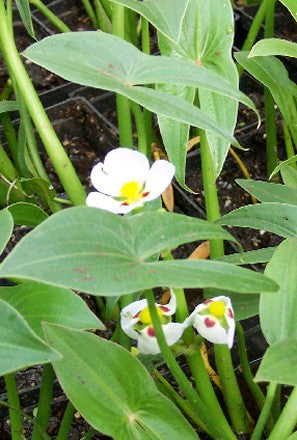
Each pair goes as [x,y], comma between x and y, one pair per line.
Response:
[125,181]
[214,320]
[136,322]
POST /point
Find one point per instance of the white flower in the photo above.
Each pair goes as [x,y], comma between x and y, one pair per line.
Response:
[137,323]
[214,320]
[125,181]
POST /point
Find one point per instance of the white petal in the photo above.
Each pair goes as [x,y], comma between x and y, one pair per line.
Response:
[216,334]
[149,345]
[169,309]
[158,178]
[127,317]
[104,183]
[98,200]
[125,164]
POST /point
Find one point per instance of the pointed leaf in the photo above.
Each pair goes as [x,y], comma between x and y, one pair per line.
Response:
[19,346]
[279,218]
[6,228]
[292,6]
[166,16]
[8,106]
[98,252]
[274,46]
[279,363]
[112,390]
[24,10]
[38,302]
[250,257]
[269,192]
[278,313]
[289,176]
[27,214]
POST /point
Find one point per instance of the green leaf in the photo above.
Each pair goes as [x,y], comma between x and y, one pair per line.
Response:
[293,436]
[250,257]
[112,390]
[8,106]
[24,10]
[279,218]
[27,214]
[272,73]
[278,313]
[289,176]
[106,61]
[6,228]
[166,16]
[292,6]
[274,46]
[9,194]
[292,159]
[279,363]
[19,346]
[98,252]
[38,302]
[201,42]
[269,192]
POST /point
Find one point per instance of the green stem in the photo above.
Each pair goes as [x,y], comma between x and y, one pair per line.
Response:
[289,144]
[175,397]
[10,135]
[107,8]
[254,30]
[260,425]
[45,400]
[230,387]
[102,18]
[141,128]
[91,13]
[56,21]
[89,434]
[194,400]
[16,420]
[6,166]
[287,420]
[123,107]
[55,150]
[66,422]
[145,43]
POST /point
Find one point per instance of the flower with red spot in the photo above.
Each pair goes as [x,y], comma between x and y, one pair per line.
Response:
[125,181]
[136,322]
[214,320]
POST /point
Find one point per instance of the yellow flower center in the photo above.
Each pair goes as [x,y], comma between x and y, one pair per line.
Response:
[217,309]
[131,192]
[145,316]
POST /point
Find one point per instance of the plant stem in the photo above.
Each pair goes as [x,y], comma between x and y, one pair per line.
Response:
[45,401]
[66,422]
[55,150]
[56,21]
[260,425]
[271,137]
[102,18]
[89,434]
[145,45]
[254,30]
[107,8]
[91,13]
[289,144]
[230,387]
[141,128]
[123,107]
[287,420]
[16,420]
[195,401]
[6,166]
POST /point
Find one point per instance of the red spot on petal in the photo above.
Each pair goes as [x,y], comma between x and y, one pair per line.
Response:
[137,314]
[209,322]
[230,314]
[164,309]
[208,301]
[125,204]
[151,331]
[145,194]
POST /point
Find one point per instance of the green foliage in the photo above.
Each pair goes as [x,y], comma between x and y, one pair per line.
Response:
[39,303]
[112,390]
[292,6]
[274,46]
[289,176]
[250,257]
[27,214]
[269,192]
[19,346]
[98,252]
[8,106]
[6,228]
[24,10]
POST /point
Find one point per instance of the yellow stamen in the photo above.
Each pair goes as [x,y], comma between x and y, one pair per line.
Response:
[131,192]
[145,316]
[217,309]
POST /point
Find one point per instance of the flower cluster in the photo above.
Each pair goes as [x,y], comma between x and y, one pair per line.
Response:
[213,319]
[125,181]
